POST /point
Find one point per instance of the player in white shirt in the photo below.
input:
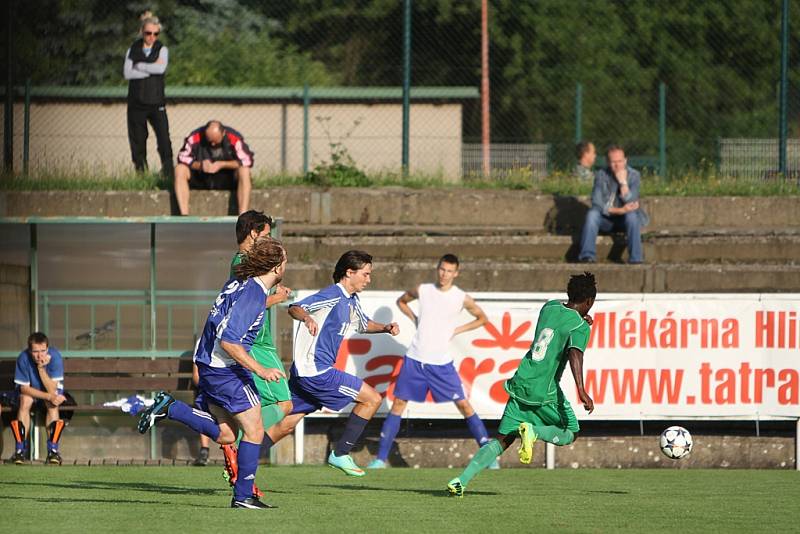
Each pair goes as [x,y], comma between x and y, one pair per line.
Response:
[428,364]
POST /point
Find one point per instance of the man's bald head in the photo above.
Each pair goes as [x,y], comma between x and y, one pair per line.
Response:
[214,132]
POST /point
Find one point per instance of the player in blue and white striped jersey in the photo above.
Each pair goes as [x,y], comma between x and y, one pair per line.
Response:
[329,317]
[228,395]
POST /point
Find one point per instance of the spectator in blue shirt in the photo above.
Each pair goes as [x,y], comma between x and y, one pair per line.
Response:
[615,207]
[39,378]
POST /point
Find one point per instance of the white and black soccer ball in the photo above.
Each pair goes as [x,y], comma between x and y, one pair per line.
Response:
[675,442]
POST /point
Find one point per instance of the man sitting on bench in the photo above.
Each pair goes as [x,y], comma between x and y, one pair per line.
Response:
[39,379]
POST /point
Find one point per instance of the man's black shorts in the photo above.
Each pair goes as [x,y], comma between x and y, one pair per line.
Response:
[11,399]
[224,180]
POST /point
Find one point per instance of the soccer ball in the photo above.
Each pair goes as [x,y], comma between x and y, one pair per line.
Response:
[675,442]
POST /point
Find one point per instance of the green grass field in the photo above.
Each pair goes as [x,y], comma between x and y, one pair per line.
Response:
[319,499]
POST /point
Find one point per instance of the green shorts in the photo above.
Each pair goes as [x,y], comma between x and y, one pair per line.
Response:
[270,392]
[559,414]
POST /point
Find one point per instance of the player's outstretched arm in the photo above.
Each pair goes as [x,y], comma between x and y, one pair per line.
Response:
[238,353]
[576,364]
[474,310]
[299,314]
[381,328]
[402,303]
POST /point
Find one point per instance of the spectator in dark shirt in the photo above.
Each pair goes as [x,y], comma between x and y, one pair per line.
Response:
[214,156]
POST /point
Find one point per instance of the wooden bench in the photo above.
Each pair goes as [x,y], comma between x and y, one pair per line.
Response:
[127,376]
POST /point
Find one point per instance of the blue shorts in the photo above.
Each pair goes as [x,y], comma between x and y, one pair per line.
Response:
[333,389]
[417,378]
[230,388]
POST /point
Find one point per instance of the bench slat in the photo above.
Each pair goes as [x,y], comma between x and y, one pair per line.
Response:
[127,365]
[126,383]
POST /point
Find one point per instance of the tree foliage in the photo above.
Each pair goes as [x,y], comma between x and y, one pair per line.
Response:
[719,59]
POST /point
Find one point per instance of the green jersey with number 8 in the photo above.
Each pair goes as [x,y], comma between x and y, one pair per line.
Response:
[558,329]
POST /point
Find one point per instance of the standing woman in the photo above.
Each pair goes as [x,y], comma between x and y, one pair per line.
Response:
[145,65]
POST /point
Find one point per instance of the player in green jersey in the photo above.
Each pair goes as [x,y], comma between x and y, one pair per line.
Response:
[537,408]
[276,401]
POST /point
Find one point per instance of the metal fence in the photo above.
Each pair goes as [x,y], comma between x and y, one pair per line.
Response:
[665,82]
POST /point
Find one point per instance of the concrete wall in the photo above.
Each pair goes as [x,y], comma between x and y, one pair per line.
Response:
[15,310]
[112,438]
[93,136]
[413,207]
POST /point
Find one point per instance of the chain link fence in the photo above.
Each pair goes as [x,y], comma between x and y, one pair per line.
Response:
[682,86]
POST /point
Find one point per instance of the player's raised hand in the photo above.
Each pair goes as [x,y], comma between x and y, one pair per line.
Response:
[311,324]
[392,328]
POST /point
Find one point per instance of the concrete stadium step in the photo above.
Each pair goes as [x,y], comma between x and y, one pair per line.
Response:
[492,275]
[389,243]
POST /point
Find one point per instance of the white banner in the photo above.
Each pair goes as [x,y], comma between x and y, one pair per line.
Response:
[650,356]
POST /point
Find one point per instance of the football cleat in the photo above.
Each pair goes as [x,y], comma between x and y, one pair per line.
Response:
[528,437]
[455,488]
[377,464]
[156,412]
[346,464]
[18,458]
[202,458]
[231,470]
[53,458]
[252,503]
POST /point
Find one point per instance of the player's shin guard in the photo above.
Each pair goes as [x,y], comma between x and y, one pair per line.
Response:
[482,459]
[54,431]
[389,430]
[18,429]
[248,463]
[554,435]
[477,429]
[198,420]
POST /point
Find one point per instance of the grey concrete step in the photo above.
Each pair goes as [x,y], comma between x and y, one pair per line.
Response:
[490,275]
[322,243]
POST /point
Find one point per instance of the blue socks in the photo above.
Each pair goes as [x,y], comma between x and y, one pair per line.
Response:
[352,431]
[198,420]
[477,429]
[389,430]
[248,463]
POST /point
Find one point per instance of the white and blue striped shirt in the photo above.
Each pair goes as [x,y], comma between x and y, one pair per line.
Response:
[235,317]
[337,314]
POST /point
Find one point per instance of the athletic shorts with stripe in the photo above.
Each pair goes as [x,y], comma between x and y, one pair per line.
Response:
[559,414]
[230,388]
[416,379]
[333,389]
[270,392]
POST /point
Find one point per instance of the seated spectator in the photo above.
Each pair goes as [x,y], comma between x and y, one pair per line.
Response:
[586,154]
[214,156]
[615,207]
[39,377]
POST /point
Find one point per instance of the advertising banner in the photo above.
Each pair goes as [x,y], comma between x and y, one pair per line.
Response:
[649,356]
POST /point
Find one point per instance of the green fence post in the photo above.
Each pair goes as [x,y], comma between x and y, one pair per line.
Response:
[578,112]
[406,82]
[662,129]
[34,274]
[153,323]
[8,123]
[26,128]
[782,126]
[306,105]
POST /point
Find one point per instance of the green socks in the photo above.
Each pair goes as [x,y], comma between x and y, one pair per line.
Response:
[554,435]
[482,459]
